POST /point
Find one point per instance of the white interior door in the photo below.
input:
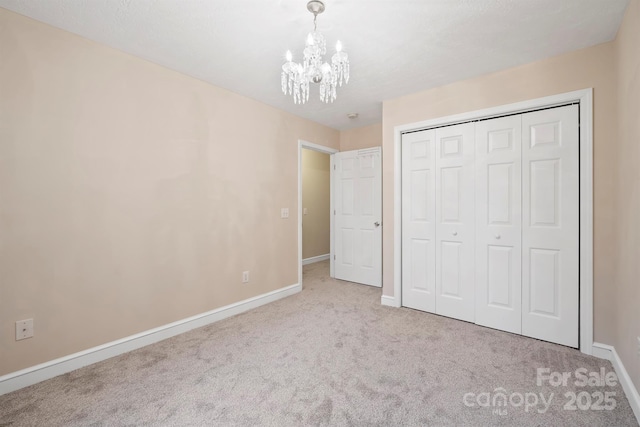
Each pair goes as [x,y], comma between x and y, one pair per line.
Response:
[550,225]
[455,221]
[498,223]
[418,221]
[358,216]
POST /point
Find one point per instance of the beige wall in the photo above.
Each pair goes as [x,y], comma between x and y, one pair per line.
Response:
[359,138]
[132,196]
[316,198]
[627,181]
[586,68]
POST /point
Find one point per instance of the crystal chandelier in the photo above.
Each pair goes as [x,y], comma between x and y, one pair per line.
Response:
[296,77]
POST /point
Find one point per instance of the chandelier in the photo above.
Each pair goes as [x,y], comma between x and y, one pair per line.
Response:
[296,77]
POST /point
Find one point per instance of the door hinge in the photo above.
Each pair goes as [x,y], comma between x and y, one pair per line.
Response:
[334,167]
[334,257]
[334,211]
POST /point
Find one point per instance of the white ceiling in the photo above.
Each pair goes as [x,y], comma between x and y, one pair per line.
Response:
[396,47]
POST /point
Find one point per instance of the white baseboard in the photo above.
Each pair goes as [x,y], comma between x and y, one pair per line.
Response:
[53,368]
[602,351]
[605,351]
[389,301]
[315,259]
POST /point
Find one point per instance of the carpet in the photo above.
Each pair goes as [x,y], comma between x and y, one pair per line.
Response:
[332,355]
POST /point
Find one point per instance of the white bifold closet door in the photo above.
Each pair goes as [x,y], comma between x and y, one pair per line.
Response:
[455,221]
[527,224]
[498,223]
[550,225]
[490,223]
[438,221]
[419,220]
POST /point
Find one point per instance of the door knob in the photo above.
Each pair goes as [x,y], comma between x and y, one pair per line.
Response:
[497,236]
[377,224]
[455,233]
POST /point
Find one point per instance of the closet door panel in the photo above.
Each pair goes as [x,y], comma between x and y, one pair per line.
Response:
[551,225]
[455,272]
[498,223]
[418,221]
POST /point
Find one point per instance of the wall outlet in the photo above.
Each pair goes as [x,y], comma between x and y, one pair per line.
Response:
[24,329]
[245,277]
[284,213]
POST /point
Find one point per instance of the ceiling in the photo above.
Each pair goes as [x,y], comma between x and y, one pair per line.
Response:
[396,47]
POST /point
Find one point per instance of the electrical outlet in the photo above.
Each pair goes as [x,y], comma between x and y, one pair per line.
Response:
[245,277]
[284,213]
[24,329]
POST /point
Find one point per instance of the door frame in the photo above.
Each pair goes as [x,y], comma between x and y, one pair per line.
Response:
[322,149]
[585,98]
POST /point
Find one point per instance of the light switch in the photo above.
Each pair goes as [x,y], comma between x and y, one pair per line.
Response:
[284,213]
[305,211]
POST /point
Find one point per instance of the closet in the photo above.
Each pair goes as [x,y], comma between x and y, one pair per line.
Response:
[490,223]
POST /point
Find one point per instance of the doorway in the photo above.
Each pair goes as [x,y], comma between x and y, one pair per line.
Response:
[314,216]
[316,206]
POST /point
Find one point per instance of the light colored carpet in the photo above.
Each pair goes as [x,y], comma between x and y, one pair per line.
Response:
[331,355]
